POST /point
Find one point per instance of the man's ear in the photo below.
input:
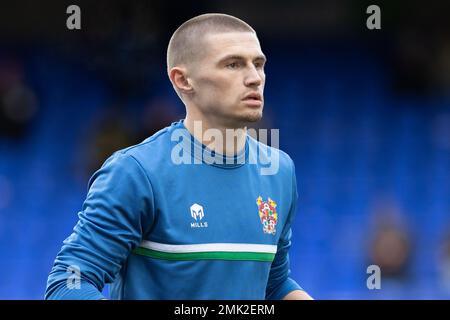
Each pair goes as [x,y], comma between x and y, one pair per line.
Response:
[178,77]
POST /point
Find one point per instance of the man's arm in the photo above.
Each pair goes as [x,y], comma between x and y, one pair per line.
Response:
[280,285]
[117,211]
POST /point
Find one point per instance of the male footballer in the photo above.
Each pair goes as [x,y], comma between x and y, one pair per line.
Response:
[187,213]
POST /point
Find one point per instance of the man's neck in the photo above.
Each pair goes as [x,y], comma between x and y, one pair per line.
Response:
[218,137]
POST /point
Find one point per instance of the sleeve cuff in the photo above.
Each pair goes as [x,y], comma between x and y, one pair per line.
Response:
[85,292]
[287,286]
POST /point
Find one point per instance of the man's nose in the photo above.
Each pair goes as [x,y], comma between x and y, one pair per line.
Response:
[253,77]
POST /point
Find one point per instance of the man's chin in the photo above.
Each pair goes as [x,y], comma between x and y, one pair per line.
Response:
[253,117]
[251,120]
[243,120]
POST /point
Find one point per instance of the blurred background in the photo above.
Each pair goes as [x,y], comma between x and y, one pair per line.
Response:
[365,114]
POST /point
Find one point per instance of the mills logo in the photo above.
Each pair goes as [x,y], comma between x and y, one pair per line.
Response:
[198,213]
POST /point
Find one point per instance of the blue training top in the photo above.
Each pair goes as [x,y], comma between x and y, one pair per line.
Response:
[163,221]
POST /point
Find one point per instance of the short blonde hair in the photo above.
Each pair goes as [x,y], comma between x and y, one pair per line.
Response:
[185,44]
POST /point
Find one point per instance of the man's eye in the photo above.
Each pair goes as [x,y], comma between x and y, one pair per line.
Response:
[259,65]
[233,65]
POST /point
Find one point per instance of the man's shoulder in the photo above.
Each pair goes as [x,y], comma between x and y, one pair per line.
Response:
[151,151]
[156,144]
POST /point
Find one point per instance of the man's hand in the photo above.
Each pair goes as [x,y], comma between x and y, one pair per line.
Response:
[298,295]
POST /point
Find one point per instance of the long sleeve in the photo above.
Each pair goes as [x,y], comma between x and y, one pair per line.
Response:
[280,284]
[117,212]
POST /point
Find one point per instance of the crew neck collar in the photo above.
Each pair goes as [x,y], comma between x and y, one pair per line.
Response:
[203,154]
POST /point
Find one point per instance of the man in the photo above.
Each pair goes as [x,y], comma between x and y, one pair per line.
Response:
[172,218]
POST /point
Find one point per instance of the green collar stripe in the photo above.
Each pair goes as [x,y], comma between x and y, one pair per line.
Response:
[212,255]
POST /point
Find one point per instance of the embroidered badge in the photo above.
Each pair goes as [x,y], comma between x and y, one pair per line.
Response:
[267,214]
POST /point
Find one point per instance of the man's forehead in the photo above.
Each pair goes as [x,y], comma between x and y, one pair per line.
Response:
[232,43]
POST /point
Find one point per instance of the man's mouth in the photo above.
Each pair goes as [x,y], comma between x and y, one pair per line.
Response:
[254,96]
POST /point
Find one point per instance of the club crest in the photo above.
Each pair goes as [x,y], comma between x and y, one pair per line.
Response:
[268,215]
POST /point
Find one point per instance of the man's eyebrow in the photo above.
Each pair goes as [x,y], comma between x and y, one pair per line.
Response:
[238,57]
[261,57]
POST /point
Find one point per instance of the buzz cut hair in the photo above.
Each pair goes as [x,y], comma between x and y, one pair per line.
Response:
[185,44]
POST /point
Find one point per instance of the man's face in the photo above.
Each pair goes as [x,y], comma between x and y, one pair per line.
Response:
[228,79]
